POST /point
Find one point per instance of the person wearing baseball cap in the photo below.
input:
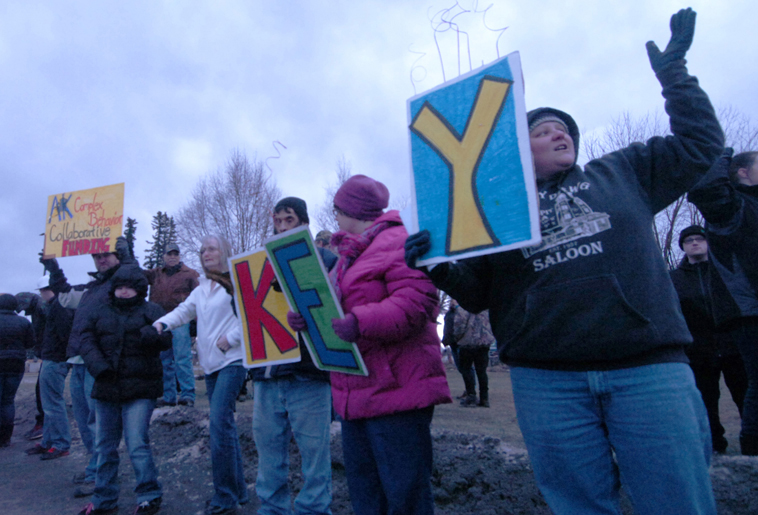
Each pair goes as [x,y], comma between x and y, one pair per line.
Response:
[170,284]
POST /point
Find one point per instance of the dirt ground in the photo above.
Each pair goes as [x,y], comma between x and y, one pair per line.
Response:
[480,465]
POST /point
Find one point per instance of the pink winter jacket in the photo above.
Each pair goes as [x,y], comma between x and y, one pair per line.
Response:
[396,308]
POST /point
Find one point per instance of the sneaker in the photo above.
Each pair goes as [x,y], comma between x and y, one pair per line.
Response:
[469,401]
[484,403]
[37,449]
[149,507]
[85,490]
[91,510]
[53,453]
[187,402]
[35,433]
[463,395]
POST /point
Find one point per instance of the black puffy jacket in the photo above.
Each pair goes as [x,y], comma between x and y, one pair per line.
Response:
[16,336]
[119,345]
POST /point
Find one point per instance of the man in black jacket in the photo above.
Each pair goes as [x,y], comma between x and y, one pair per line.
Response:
[16,336]
[84,298]
[728,199]
[56,439]
[713,351]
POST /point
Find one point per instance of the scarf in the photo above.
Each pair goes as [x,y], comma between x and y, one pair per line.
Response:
[224,279]
[349,247]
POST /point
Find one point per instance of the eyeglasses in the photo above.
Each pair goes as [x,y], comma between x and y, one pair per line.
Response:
[692,239]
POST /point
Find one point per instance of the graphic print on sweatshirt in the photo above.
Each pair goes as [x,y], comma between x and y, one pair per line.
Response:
[569,220]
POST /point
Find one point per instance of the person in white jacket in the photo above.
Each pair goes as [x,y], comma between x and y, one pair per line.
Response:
[219,336]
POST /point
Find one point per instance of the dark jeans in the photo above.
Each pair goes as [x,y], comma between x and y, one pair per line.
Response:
[9,383]
[39,418]
[746,336]
[480,358]
[388,463]
[707,371]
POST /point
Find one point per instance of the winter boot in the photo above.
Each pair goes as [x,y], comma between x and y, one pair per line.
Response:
[749,445]
[469,401]
[6,430]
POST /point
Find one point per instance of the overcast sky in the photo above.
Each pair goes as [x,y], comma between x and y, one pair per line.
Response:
[158,93]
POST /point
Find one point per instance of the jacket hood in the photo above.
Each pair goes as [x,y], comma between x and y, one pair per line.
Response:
[131,276]
[565,117]
[8,301]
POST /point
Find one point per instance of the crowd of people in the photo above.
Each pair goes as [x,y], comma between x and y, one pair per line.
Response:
[615,361]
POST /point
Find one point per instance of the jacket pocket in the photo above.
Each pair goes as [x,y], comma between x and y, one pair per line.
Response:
[586,320]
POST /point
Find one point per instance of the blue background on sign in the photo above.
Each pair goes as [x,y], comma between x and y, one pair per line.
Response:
[500,180]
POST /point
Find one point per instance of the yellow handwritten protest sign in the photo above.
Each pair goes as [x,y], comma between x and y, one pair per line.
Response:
[84,222]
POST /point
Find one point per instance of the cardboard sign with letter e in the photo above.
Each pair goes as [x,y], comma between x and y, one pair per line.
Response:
[473,183]
[309,291]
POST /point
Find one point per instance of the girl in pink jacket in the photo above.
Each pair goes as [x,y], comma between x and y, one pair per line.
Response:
[390,312]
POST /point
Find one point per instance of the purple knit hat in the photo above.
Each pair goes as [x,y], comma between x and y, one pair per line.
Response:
[362,198]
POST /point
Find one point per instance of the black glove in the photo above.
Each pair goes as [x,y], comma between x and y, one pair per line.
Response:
[123,253]
[714,195]
[107,375]
[682,31]
[721,166]
[148,335]
[51,265]
[416,246]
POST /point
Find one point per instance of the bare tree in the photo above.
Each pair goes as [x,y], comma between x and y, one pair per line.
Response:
[740,133]
[235,201]
[324,216]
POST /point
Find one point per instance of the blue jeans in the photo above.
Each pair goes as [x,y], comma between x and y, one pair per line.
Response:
[226,454]
[177,366]
[81,384]
[588,431]
[9,384]
[132,419]
[283,408]
[388,463]
[52,381]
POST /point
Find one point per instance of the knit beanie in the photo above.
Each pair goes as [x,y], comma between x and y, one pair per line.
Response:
[548,114]
[689,231]
[295,204]
[362,198]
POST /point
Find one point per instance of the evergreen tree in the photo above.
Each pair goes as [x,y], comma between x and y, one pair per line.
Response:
[131,229]
[164,232]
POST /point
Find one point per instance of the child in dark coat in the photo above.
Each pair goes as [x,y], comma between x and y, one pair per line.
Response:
[121,350]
